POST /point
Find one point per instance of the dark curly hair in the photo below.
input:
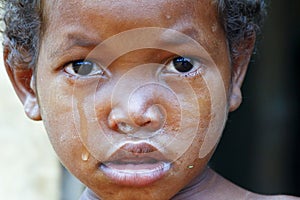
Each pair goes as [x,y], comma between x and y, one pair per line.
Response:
[241,20]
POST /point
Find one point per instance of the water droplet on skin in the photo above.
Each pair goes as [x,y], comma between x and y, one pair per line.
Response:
[85,155]
[190,167]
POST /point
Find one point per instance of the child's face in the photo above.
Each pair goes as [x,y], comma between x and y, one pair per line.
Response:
[134,127]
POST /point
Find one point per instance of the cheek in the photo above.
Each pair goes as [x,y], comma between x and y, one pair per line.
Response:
[65,115]
[196,110]
[56,101]
[208,113]
[215,118]
[194,101]
[57,115]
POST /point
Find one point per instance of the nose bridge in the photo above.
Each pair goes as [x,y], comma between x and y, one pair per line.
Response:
[129,84]
[134,100]
[143,105]
[139,109]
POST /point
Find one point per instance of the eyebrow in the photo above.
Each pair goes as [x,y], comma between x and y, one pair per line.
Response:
[174,38]
[74,40]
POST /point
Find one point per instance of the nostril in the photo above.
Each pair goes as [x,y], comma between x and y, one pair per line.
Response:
[154,117]
[112,122]
[117,122]
[125,128]
[129,123]
[146,123]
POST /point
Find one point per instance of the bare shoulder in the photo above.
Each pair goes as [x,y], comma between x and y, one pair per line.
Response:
[232,191]
[215,187]
[253,196]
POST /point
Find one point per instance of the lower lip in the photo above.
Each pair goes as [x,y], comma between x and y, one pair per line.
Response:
[135,175]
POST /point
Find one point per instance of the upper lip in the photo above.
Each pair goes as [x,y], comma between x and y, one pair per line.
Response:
[137,153]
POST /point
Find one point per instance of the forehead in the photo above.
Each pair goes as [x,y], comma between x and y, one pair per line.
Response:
[162,13]
[126,7]
[98,20]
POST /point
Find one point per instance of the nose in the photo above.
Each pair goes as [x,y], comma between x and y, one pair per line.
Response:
[128,121]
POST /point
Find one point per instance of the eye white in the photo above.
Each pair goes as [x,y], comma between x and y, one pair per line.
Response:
[182,65]
[83,68]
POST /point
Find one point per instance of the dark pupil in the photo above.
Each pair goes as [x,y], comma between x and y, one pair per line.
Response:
[182,64]
[82,67]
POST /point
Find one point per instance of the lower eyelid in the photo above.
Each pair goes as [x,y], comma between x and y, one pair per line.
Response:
[194,73]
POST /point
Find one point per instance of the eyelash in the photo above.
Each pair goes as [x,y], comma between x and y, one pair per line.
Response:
[76,67]
[197,67]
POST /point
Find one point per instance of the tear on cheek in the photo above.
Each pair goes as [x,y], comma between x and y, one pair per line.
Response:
[219,110]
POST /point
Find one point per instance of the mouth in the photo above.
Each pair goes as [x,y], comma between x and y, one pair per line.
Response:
[136,165]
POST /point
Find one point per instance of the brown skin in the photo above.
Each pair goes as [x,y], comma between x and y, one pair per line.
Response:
[51,99]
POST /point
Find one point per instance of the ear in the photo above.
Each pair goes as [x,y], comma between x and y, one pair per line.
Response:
[22,80]
[240,64]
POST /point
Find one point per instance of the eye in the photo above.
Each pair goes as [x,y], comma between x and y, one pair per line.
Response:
[183,66]
[83,68]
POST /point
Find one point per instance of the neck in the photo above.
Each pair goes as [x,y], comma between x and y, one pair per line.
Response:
[197,186]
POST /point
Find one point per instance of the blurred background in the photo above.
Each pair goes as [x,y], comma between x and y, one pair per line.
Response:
[260,148]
